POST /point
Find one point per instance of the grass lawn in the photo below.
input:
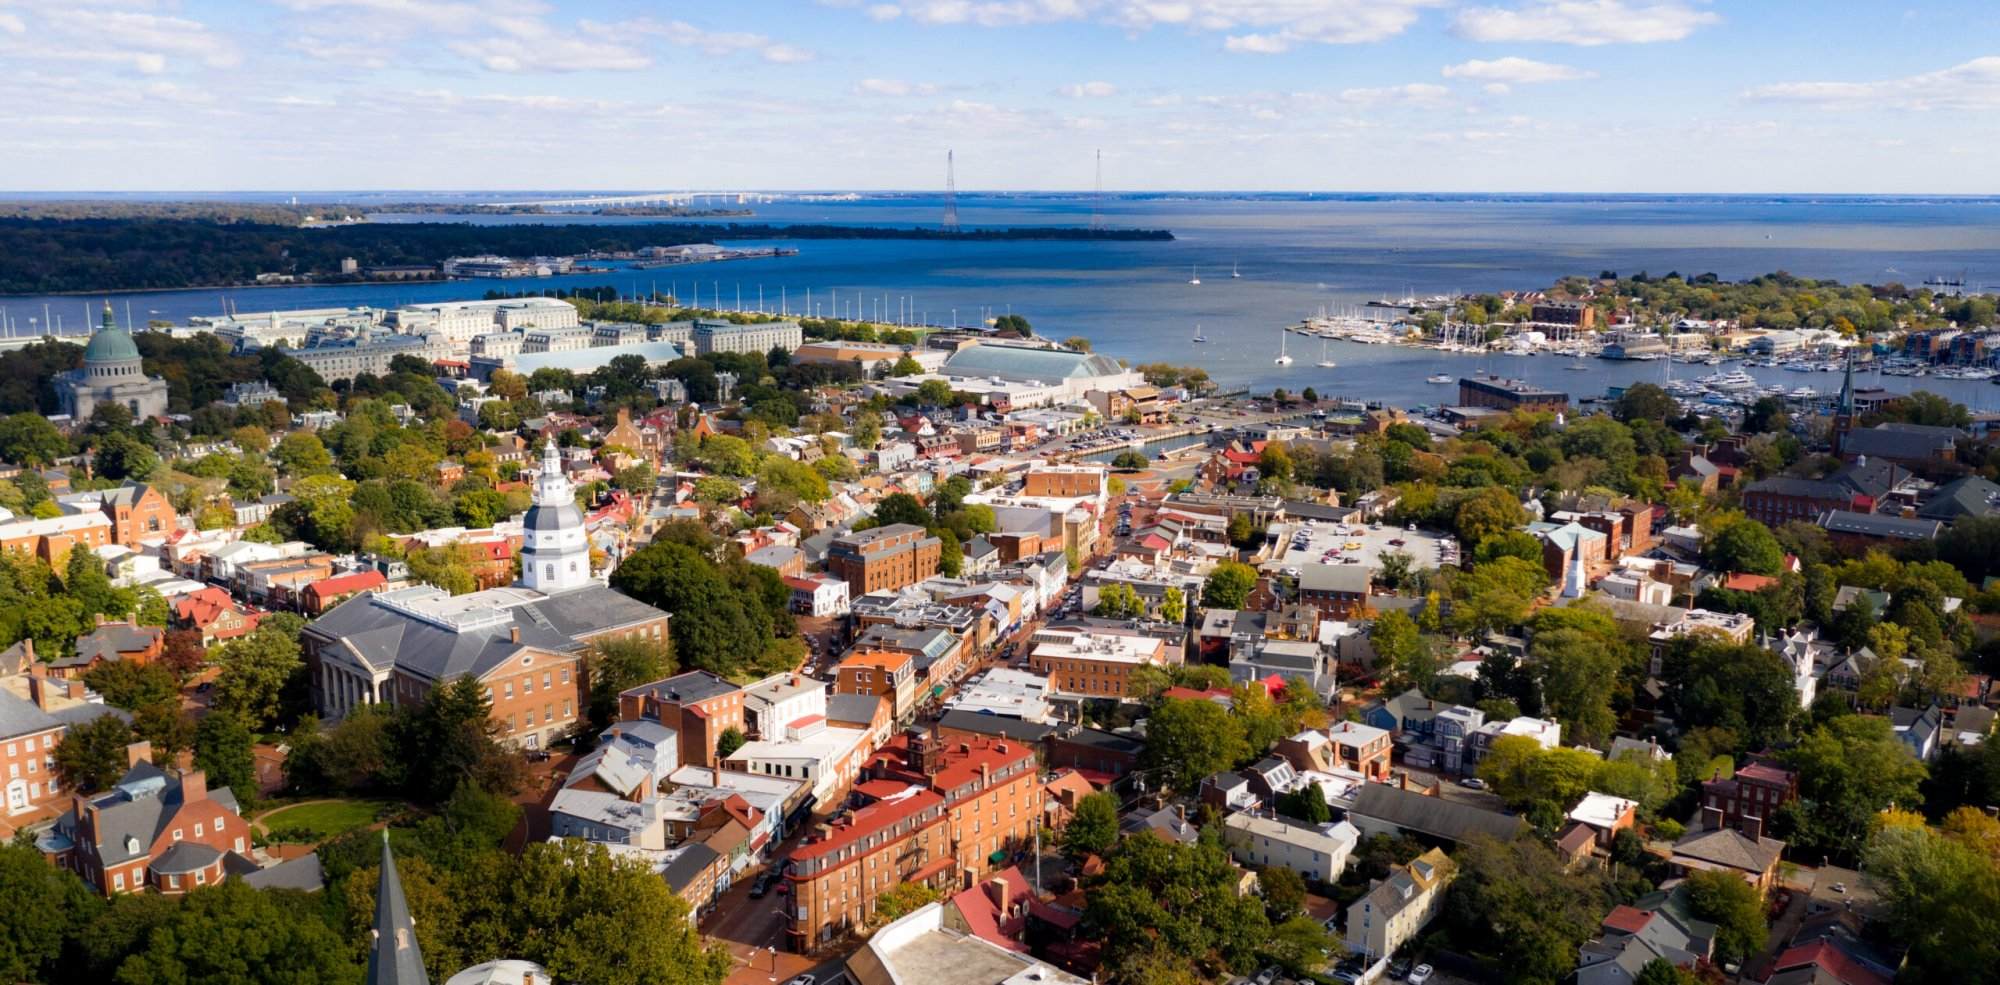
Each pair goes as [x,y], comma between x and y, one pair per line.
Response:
[325,820]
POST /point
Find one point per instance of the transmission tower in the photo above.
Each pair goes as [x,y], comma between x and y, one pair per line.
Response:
[950,194]
[1097,195]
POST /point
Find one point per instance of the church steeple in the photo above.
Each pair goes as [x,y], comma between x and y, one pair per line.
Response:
[1843,413]
[393,957]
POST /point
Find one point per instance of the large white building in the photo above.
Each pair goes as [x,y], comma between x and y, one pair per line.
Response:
[462,321]
[721,336]
[1318,854]
[346,359]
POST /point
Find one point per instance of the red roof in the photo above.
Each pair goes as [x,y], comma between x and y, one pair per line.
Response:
[959,762]
[1830,959]
[985,919]
[343,584]
[1765,773]
[1748,582]
[801,584]
[1627,920]
[871,820]
[204,607]
[1275,684]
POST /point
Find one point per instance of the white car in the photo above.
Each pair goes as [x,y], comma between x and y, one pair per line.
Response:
[1420,974]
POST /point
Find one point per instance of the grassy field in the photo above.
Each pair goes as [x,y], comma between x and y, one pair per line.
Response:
[323,820]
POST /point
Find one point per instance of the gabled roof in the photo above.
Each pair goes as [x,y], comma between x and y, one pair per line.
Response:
[1433,816]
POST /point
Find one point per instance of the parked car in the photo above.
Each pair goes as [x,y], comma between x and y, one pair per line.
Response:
[1420,974]
[802,980]
[760,886]
[1472,783]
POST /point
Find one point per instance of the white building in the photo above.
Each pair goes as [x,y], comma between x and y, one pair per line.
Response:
[1397,908]
[1318,854]
[721,336]
[372,354]
[462,321]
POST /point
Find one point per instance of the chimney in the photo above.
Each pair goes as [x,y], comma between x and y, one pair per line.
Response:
[996,890]
[514,633]
[138,752]
[43,691]
[194,786]
[1751,826]
[1711,818]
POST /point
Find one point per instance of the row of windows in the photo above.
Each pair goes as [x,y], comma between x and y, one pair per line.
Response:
[527,719]
[48,742]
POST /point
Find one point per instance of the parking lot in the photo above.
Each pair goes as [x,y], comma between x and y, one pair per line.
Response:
[1326,542]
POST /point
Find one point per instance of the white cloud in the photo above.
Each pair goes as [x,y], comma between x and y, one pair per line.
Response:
[1513,71]
[143,41]
[682,34]
[11,24]
[1088,90]
[786,54]
[893,87]
[1253,26]
[1972,85]
[1415,93]
[1586,22]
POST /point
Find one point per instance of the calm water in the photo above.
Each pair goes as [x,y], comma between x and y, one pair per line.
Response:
[1295,255]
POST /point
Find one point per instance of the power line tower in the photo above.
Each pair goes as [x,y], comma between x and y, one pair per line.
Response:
[950,194]
[1097,196]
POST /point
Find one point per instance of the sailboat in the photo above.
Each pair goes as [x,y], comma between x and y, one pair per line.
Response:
[1194,275]
[1198,337]
[1233,274]
[1324,362]
[1284,358]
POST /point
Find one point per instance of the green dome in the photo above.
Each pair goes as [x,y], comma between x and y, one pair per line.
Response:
[111,344]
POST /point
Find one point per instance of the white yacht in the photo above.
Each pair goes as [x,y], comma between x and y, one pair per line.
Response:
[1440,378]
[1194,275]
[1324,362]
[1284,358]
[1198,336]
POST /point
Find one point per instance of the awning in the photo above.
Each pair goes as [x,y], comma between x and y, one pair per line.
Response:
[998,856]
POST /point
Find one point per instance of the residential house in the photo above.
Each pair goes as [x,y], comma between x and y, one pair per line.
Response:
[1715,848]
[1383,808]
[1396,909]
[697,705]
[153,830]
[111,641]
[1319,854]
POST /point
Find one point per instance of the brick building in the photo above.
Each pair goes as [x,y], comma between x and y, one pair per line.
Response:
[1084,663]
[884,558]
[136,511]
[1510,395]
[698,705]
[1748,799]
[31,728]
[944,814]
[155,830]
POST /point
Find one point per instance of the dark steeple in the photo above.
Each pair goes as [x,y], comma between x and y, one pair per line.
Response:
[393,958]
[1843,413]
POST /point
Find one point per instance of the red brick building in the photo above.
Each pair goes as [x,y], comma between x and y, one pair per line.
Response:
[884,558]
[698,705]
[155,830]
[1750,798]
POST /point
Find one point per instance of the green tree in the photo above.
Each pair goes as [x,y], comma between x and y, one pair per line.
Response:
[256,670]
[1165,909]
[1284,892]
[1307,803]
[1738,543]
[901,508]
[1118,600]
[1579,674]
[1940,894]
[301,453]
[726,454]
[1850,769]
[729,741]
[1228,585]
[163,726]
[1173,606]
[620,663]
[901,899]
[1660,971]
[1490,511]
[231,932]
[1189,740]
[906,366]
[1496,595]
[1300,945]
[1093,829]
[222,749]
[1736,909]
[92,755]
[1519,912]
[44,907]
[1130,460]
[128,685]
[1396,643]
[31,441]
[121,456]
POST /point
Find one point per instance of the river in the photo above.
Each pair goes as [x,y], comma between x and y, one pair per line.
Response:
[1295,255]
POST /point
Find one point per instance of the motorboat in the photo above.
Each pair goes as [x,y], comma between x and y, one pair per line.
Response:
[1441,378]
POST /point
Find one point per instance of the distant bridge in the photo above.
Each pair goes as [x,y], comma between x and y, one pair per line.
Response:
[681,199]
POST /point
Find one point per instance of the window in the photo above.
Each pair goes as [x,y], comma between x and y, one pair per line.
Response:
[197,830]
[545,680]
[528,684]
[177,834]
[48,741]
[118,881]
[218,822]
[200,877]
[565,675]
[510,690]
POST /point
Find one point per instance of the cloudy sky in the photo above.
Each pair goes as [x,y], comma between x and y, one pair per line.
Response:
[1407,95]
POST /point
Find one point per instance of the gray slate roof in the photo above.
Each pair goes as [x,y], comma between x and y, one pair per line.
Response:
[385,637]
[302,873]
[1433,816]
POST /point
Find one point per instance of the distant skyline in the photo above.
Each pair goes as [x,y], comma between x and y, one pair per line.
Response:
[1671,96]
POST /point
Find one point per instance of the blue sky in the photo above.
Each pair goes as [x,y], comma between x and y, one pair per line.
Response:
[1409,95]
